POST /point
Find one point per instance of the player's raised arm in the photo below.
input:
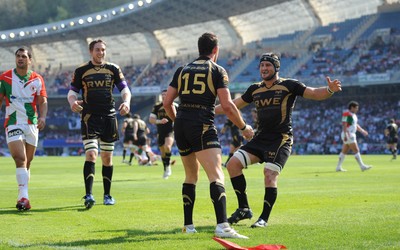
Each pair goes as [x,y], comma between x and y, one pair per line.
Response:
[323,93]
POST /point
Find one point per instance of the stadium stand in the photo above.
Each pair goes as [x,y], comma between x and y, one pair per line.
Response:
[361,46]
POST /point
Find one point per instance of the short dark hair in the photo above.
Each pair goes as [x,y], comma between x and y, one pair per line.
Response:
[91,45]
[392,121]
[24,49]
[353,104]
[207,43]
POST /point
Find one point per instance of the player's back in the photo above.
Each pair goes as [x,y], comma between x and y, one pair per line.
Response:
[197,85]
[129,126]
[142,127]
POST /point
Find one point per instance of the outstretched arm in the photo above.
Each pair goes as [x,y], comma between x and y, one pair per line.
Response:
[232,112]
[323,93]
[239,103]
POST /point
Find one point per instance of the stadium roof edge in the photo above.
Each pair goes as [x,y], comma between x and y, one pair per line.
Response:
[153,15]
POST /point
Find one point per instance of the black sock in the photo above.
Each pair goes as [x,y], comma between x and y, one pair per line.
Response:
[131,157]
[88,175]
[269,200]
[218,196]
[165,164]
[168,158]
[188,197]
[123,154]
[107,178]
[148,157]
[239,186]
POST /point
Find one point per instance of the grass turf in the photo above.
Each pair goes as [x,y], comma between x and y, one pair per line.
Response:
[317,208]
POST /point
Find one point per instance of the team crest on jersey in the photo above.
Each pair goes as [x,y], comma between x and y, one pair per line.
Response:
[107,77]
[226,79]
[33,89]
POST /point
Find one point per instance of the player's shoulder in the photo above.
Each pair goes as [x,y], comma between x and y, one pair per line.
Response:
[112,65]
[6,73]
[217,65]
[256,85]
[284,80]
[128,119]
[289,79]
[346,113]
[35,74]
[83,66]
[180,68]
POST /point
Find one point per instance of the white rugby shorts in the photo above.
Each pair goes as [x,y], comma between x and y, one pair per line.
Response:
[349,139]
[23,132]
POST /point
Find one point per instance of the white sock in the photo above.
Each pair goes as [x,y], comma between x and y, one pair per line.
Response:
[358,159]
[143,156]
[223,225]
[341,159]
[22,175]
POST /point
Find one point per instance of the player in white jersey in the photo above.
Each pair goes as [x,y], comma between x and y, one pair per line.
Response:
[350,127]
[23,89]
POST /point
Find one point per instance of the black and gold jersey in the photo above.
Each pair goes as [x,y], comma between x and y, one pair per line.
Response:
[129,126]
[97,84]
[393,130]
[159,111]
[142,127]
[197,84]
[275,104]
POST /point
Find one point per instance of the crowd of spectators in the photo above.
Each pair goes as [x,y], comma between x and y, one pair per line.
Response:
[317,126]
[158,74]
[378,56]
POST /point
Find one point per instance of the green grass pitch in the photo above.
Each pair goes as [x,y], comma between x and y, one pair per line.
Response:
[316,208]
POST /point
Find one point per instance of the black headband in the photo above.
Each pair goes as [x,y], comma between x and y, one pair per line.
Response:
[272,59]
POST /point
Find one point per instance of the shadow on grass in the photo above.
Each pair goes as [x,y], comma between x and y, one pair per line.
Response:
[131,236]
[322,172]
[128,180]
[13,210]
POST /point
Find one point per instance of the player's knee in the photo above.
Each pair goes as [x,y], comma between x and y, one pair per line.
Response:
[106,159]
[271,173]
[107,146]
[272,168]
[90,146]
[19,160]
[91,155]
[242,157]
